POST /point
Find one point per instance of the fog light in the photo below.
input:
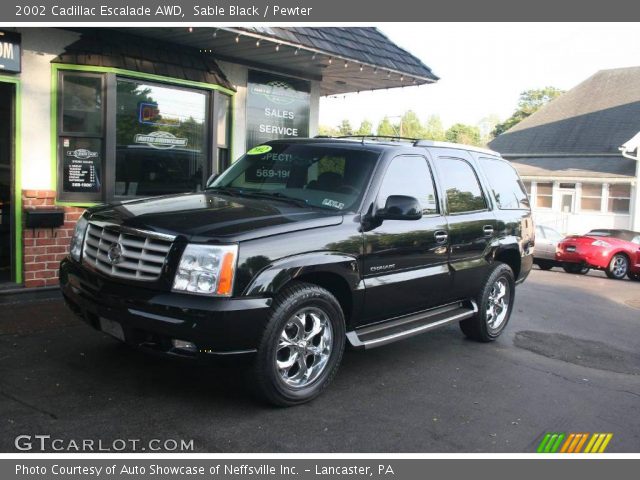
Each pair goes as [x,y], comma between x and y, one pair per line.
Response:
[184,345]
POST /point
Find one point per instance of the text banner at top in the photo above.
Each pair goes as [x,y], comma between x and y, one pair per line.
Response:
[192,12]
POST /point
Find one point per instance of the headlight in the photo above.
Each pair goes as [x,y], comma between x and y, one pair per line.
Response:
[78,238]
[206,270]
[600,243]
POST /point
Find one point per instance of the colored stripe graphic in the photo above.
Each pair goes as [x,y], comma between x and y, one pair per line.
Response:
[555,442]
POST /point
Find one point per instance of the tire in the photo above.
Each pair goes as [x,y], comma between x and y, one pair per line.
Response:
[634,276]
[544,265]
[618,266]
[488,323]
[575,268]
[288,346]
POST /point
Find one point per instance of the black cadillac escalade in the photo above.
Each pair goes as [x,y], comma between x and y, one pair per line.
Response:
[303,246]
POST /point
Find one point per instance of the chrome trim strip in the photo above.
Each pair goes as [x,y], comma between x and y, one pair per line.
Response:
[134,231]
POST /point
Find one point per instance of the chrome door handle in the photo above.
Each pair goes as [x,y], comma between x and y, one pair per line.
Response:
[488,230]
[441,236]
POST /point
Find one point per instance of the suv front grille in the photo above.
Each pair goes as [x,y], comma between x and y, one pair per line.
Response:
[135,255]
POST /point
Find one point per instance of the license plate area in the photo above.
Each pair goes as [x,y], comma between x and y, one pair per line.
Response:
[571,248]
[113,328]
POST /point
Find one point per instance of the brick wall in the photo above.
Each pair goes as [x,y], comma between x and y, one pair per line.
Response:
[44,248]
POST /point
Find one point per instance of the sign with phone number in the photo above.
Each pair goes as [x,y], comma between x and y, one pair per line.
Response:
[268,173]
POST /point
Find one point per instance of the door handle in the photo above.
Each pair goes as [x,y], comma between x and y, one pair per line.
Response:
[441,236]
[488,230]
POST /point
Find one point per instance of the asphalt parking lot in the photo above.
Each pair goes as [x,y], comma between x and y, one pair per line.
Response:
[568,362]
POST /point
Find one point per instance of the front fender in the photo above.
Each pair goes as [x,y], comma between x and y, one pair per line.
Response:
[273,277]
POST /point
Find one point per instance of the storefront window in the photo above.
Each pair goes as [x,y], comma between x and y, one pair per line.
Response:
[160,139]
[619,198]
[80,140]
[122,137]
[591,197]
[544,196]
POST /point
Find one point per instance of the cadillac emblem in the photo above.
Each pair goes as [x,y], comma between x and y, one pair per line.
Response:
[114,254]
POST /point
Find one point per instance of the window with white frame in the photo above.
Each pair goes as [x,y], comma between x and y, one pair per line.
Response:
[544,195]
[619,198]
[591,197]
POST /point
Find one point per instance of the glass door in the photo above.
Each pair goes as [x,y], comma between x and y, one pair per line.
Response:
[567,203]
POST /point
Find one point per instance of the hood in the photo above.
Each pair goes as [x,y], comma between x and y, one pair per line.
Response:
[203,216]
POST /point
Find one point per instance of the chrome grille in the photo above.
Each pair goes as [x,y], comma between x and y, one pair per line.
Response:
[142,254]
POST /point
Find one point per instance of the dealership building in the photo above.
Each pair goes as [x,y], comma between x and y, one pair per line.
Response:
[89,116]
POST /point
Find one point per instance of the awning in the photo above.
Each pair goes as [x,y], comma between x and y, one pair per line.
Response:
[342,59]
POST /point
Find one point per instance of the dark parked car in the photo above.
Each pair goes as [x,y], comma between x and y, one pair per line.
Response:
[617,252]
[301,247]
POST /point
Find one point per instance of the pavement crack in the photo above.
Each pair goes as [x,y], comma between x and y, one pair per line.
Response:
[28,405]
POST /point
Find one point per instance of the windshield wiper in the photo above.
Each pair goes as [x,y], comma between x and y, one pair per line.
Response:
[279,196]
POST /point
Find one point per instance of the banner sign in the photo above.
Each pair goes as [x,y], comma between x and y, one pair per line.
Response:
[10,52]
[277,107]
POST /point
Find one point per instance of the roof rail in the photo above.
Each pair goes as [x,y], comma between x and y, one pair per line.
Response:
[461,146]
[393,138]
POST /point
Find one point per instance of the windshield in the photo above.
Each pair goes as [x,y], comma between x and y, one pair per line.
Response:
[320,176]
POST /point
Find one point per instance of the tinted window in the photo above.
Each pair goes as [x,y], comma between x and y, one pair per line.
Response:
[505,184]
[323,176]
[411,176]
[461,186]
[161,136]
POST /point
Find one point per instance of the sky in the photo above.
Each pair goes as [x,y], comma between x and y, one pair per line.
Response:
[483,67]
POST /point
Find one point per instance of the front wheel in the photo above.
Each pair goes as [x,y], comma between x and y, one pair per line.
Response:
[302,345]
[544,265]
[618,267]
[495,303]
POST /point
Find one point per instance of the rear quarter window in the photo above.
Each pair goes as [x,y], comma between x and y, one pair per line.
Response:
[507,187]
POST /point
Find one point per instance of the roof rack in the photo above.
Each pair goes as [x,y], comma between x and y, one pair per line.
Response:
[416,142]
[393,138]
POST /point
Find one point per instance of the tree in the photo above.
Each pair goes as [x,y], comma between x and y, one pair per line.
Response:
[345,128]
[486,126]
[366,128]
[385,127]
[411,126]
[327,131]
[530,102]
[466,134]
[433,129]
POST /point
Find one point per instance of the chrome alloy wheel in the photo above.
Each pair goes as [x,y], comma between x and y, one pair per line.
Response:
[619,267]
[304,347]
[498,303]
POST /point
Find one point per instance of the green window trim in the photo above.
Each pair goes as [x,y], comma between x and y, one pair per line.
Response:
[17,175]
[57,67]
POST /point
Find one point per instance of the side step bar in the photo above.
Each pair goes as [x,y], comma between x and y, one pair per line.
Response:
[410,325]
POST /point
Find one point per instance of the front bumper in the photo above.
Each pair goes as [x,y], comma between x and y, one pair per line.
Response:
[220,328]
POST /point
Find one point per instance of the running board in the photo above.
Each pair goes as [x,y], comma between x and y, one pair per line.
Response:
[410,325]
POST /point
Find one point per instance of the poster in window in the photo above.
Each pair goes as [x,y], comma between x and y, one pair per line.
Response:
[82,159]
[277,107]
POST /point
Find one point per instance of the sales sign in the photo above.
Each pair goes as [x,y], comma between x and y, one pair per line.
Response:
[277,107]
[10,52]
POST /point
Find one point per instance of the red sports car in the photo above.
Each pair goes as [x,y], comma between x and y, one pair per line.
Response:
[617,252]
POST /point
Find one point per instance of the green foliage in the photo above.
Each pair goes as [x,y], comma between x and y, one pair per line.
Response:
[466,134]
[366,128]
[530,102]
[433,129]
[385,127]
[345,128]
[327,131]
[410,125]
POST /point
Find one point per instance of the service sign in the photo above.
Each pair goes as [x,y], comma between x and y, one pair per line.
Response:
[277,107]
[10,52]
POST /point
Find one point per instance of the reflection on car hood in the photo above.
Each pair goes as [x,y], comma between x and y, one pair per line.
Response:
[202,216]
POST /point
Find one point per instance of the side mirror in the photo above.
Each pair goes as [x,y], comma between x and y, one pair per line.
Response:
[400,207]
[211,179]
